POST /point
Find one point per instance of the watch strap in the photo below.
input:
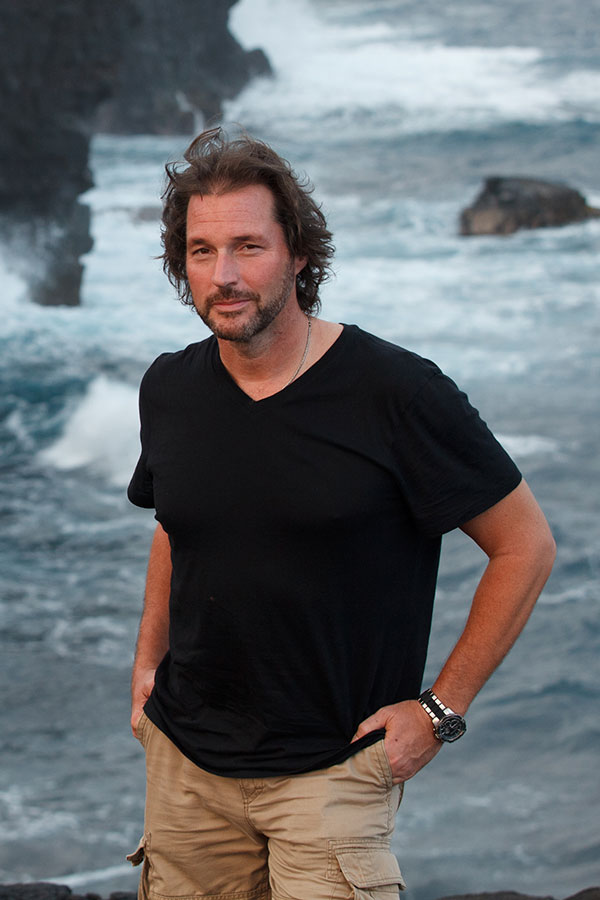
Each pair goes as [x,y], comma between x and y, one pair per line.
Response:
[432,705]
[448,725]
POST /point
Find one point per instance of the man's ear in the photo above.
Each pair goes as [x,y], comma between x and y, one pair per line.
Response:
[300,262]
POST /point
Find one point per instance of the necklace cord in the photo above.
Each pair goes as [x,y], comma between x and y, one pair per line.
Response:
[304,355]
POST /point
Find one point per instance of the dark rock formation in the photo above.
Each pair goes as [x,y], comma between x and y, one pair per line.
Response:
[43,891]
[182,62]
[507,204]
[59,61]
[592,893]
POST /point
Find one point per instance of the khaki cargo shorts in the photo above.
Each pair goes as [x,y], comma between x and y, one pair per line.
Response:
[322,835]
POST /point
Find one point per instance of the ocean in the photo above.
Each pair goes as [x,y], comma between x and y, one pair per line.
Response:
[397,109]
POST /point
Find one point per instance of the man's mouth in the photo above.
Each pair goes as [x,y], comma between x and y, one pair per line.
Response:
[230,303]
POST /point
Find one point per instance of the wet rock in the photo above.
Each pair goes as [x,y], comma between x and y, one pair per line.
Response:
[507,204]
[42,890]
[182,62]
[35,891]
[45,891]
[57,64]
[592,893]
[166,64]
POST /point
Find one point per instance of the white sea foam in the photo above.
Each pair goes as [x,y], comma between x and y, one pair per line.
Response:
[581,592]
[103,639]
[395,80]
[13,288]
[21,816]
[523,445]
[82,879]
[101,433]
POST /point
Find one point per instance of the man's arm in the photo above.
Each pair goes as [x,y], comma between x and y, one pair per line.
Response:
[153,636]
[515,536]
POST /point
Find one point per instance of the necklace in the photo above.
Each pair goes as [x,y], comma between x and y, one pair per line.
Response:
[304,355]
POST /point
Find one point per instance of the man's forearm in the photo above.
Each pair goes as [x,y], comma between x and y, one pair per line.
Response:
[502,604]
[515,536]
[153,636]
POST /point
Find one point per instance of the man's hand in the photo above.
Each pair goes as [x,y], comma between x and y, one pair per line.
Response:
[141,688]
[409,739]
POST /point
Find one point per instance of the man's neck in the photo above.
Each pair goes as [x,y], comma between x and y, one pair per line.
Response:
[269,361]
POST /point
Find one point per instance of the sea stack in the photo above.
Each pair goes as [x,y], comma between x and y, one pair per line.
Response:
[56,66]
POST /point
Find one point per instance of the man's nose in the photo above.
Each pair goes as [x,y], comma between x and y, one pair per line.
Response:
[225,271]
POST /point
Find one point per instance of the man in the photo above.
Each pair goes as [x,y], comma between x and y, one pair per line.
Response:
[302,473]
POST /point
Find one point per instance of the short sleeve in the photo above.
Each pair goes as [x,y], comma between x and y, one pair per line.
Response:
[451,466]
[141,489]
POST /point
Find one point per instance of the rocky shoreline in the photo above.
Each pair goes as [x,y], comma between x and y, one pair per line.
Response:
[44,891]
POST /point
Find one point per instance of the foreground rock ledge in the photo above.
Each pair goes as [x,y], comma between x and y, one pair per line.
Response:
[506,204]
[43,891]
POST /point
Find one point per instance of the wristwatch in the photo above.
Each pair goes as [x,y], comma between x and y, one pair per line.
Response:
[448,726]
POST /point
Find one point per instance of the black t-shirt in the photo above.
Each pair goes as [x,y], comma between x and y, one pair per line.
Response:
[305,536]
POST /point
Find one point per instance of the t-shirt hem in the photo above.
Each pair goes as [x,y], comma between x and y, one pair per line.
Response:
[321,761]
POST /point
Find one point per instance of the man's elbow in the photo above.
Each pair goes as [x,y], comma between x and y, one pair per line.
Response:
[544,551]
[550,551]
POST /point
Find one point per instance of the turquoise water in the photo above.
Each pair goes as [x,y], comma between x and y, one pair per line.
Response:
[397,110]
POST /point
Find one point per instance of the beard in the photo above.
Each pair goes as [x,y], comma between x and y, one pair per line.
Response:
[238,325]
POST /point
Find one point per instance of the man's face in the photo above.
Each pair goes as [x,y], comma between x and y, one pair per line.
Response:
[240,271]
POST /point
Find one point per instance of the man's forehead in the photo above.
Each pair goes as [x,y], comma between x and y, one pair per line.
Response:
[253,201]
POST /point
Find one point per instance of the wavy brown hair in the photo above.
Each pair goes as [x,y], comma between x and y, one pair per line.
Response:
[217,165]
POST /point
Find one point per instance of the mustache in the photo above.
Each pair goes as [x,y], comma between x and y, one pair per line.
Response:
[228,293]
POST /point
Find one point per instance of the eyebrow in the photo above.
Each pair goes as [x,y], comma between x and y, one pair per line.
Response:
[238,238]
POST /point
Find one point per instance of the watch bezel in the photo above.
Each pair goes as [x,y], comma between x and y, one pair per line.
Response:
[450,728]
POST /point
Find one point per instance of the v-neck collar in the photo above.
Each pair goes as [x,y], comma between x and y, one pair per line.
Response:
[235,391]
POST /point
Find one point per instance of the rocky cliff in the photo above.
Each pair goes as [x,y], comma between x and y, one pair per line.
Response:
[161,63]
[182,64]
[57,64]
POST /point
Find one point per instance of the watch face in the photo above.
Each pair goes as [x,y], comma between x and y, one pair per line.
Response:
[450,728]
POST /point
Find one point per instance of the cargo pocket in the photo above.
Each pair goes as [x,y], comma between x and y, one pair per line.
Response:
[371,871]
[140,857]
